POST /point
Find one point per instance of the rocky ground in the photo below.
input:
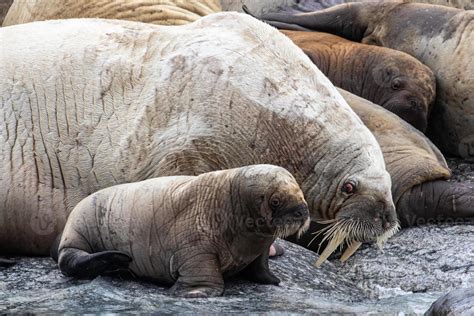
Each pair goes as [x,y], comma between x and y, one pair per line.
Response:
[416,267]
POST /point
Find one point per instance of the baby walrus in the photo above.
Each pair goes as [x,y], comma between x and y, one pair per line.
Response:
[192,231]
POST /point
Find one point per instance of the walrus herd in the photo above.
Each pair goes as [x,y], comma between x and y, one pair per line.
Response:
[180,153]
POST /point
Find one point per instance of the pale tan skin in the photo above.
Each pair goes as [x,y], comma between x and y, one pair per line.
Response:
[417,169]
[87,104]
[164,12]
[184,230]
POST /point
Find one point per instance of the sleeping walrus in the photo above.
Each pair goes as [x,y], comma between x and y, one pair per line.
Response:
[184,230]
[90,103]
[438,36]
[387,77]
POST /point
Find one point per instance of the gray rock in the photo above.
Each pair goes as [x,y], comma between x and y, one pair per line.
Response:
[457,302]
[416,267]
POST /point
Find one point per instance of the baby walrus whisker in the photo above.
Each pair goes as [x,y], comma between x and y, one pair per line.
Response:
[164,229]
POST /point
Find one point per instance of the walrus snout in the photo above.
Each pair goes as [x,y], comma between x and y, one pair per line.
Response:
[411,110]
[291,219]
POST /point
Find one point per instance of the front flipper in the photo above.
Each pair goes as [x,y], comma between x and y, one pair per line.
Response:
[259,272]
[81,264]
[436,201]
[199,276]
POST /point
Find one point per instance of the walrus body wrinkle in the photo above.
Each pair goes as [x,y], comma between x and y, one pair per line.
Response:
[438,36]
[91,103]
[187,231]
[418,171]
[164,12]
[387,77]
[417,168]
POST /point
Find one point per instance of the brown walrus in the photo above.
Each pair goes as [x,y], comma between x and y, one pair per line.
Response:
[417,169]
[164,12]
[90,103]
[387,77]
[184,230]
[438,36]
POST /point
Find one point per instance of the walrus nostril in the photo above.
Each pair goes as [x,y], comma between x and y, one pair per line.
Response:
[298,214]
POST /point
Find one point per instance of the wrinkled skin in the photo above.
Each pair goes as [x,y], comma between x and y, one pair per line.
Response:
[163,12]
[187,231]
[155,101]
[392,79]
[440,37]
[417,169]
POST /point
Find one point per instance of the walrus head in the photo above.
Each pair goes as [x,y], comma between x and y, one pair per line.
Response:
[356,204]
[404,86]
[274,201]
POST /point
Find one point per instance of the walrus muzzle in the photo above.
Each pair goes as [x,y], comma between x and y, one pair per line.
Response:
[292,220]
[353,227]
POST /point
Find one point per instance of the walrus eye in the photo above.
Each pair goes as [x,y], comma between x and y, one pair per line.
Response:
[348,187]
[396,84]
[275,203]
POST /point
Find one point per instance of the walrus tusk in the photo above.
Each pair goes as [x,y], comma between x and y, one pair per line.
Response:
[350,250]
[335,242]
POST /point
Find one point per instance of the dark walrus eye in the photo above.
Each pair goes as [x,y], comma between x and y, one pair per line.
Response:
[274,203]
[348,187]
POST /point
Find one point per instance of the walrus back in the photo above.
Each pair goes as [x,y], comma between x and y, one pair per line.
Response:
[164,12]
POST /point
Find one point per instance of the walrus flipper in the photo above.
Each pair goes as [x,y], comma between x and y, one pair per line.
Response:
[278,25]
[199,276]
[81,264]
[259,272]
[436,201]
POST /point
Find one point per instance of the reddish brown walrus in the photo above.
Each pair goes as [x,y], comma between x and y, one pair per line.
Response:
[438,36]
[387,77]
[184,230]
[90,103]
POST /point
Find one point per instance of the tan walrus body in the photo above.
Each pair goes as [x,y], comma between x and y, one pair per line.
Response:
[164,12]
[187,231]
[438,36]
[418,171]
[87,104]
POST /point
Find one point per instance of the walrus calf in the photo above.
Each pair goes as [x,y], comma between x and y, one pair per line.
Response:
[440,37]
[392,79]
[87,104]
[164,12]
[190,231]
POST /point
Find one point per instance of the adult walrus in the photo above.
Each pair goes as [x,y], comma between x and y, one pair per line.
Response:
[438,36]
[418,172]
[387,77]
[164,12]
[90,103]
[184,230]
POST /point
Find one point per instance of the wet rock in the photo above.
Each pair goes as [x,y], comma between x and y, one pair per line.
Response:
[416,267]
